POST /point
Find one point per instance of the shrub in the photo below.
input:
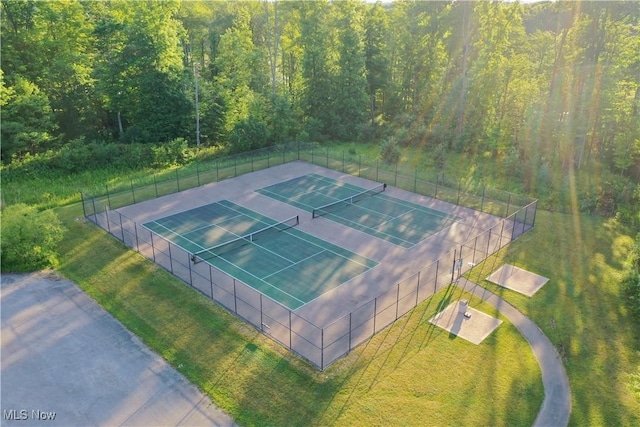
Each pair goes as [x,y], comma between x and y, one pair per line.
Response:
[389,150]
[29,238]
[631,280]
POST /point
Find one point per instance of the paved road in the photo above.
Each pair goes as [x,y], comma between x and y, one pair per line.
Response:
[64,354]
[556,406]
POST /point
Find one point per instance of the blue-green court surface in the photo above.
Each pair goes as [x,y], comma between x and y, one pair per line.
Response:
[284,263]
[388,218]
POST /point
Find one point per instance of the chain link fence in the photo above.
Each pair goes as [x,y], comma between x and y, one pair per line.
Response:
[320,345]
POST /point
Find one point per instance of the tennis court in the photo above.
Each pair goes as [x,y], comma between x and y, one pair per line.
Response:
[397,221]
[275,258]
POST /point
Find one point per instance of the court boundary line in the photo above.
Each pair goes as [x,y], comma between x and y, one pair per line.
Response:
[449,218]
[312,243]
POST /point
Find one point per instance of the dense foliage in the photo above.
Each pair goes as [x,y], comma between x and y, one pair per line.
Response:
[549,89]
[631,279]
[29,238]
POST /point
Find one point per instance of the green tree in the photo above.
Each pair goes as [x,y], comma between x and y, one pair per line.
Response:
[29,238]
[27,120]
[376,55]
[349,101]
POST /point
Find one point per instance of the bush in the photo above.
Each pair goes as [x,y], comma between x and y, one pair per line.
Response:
[390,151]
[631,280]
[248,134]
[29,238]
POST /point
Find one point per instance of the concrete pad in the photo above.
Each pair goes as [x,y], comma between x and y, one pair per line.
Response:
[66,359]
[466,322]
[517,279]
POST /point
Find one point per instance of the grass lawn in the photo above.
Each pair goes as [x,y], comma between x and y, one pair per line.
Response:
[410,374]
[599,342]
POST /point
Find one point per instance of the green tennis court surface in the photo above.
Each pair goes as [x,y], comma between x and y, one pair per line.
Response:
[288,265]
[397,221]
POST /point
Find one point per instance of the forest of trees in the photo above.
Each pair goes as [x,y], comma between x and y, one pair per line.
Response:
[543,85]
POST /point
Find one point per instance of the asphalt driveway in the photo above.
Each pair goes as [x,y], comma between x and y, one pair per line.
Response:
[66,361]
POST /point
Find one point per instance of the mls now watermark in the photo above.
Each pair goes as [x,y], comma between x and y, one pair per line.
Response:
[23,414]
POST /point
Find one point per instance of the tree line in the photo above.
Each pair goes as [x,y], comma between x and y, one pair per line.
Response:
[548,84]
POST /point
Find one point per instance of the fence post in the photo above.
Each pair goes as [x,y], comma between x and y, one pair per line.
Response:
[482,201]
[342,161]
[235,166]
[327,157]
[312,156]
[322,349]
[106,214]
[375,310]
[435,196]
[108,195]
[508,203]
[170,258]
[235,297]
[435,283]
[211,281]
[198,172]
[359,164]
[155,184]
[217,170]
[395,179]
[177,181]
[153,248]
[415,181]
[350,314]
[453,268]
[133,193]
[190,274]
[121,227]
[377,168]
[459,184]
[397,301]
[251,163]
[290,332]
[95,213]
[417,290]
[135,230]
[535,212]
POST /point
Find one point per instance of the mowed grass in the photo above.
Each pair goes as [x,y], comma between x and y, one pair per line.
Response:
[410,374]
[580,309]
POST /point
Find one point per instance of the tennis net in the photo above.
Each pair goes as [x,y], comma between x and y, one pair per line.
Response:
[334,206]
[231,245]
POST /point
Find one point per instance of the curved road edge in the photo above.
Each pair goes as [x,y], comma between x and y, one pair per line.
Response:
[556,406]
